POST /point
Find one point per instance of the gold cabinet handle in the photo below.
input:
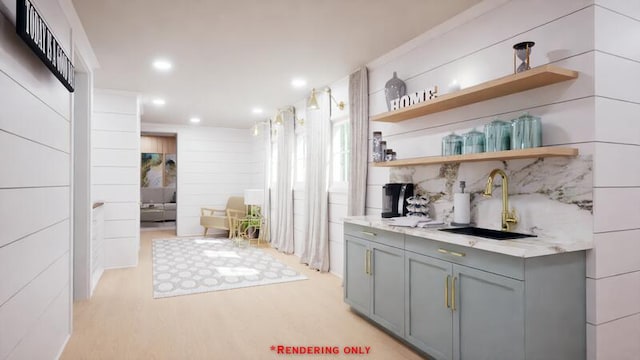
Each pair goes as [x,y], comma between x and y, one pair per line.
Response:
[370,261]
[446,292]
[449,252]
[368,233]
[366,261]
[453,294]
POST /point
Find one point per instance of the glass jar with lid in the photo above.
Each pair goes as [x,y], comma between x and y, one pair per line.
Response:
[473,142]
[526,132]
[452,145]
[497,136]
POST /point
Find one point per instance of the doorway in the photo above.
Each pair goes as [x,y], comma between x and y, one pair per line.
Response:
[158,181]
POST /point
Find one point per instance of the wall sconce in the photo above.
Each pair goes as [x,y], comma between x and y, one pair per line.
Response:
[255,129]
[312,102]
[279,119]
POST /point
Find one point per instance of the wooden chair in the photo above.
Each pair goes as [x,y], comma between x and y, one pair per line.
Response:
[222,219]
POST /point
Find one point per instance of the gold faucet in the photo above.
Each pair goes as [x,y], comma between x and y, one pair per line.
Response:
[508,216]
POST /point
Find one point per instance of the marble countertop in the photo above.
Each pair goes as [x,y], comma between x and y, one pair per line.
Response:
[529,247]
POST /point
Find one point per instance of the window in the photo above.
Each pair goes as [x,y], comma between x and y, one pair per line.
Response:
[340,152]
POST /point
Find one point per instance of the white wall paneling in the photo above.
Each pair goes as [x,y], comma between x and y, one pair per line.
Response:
[107,139]
[41,160]
[18,105]
[23,311]
[115,160]
[602,307]
[120,122]
[616,209]
[42,249]
[29,210]
[614,264]
[614,340]
[616,115]
[110,175]
[19,63]
[615,253]
[607,173]
[35,196]
[480,49]
[44,338]
[213,164]
[121,211]
[116,193]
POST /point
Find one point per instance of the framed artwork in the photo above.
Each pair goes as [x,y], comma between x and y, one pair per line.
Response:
[151,170]
[170,170]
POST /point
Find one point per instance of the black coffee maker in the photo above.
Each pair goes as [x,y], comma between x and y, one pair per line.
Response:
[394,199]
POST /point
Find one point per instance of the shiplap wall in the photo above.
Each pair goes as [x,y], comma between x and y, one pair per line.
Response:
[596,113]
[613,284]
[115,174]
[213,164]
[35,256]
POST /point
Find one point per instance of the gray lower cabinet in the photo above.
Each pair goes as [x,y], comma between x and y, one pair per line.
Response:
[387,276]
[429,323]
[357,283]
[374,282]
[455,302]
[488,315]
[457,312]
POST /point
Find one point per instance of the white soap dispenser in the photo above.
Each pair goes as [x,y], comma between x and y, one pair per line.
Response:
[461,207]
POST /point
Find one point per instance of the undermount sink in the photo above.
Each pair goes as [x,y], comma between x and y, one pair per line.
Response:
[487,233]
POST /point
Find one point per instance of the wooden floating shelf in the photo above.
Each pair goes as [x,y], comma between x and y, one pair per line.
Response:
[539,152]
[510,84]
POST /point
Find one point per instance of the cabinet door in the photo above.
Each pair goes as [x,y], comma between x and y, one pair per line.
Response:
[357,283]
[429,322]
[387,306]
[488,320]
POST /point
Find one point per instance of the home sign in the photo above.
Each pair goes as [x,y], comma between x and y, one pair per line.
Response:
[415,98]
[33,30]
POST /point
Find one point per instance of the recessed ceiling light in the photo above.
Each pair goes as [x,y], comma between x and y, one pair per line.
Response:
[158,102]
[195,120]
[162,65]
[298,83]
[257,111]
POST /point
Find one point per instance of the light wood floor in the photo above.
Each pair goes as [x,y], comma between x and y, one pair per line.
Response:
[123,321]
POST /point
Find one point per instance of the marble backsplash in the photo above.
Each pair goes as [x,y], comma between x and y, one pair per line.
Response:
[551,196]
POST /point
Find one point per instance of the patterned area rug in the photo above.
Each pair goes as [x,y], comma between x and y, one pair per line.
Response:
[190,266]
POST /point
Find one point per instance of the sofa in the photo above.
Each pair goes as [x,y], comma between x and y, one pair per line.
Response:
[158,204]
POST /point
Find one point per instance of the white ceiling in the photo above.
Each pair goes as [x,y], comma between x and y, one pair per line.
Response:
[230,56]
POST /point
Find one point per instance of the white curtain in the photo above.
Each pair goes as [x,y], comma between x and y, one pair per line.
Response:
[283,197]
[359,126]
[315,252]
[266,205]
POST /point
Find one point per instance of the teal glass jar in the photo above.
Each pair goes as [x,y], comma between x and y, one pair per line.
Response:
[526,132]
[473,142]
[452,145]
[497,136]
